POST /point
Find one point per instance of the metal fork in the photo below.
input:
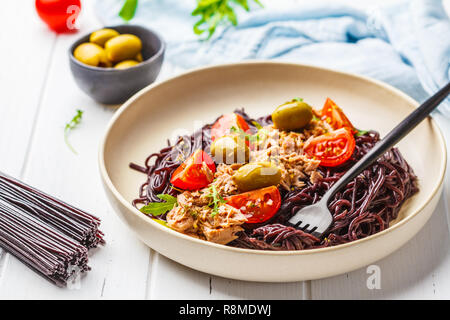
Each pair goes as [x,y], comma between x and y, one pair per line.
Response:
[316,218]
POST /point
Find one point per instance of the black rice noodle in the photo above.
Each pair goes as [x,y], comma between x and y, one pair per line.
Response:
[367,204]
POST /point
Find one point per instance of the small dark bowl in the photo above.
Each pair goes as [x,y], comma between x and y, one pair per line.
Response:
[115,86]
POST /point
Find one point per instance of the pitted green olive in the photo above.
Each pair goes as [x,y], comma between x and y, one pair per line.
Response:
[292,115]
[229,150]
[126,64]
[90,54]
[101,36]
[123,47]
[256,175]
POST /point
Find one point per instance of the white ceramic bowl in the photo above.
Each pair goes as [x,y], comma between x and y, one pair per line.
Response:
[143,124]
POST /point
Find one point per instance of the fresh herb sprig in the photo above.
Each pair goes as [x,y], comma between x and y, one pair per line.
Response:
[257,137]
[216,200]
[217,12]
[72,124]
[159,208]
[212,13]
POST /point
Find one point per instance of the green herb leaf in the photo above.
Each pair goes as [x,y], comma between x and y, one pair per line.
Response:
[159,208]
[216,200]
[128,10]
[76,120]
[298,99]
[214,13]
[361,133]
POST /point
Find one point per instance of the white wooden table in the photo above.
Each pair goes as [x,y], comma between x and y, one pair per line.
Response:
[38,96]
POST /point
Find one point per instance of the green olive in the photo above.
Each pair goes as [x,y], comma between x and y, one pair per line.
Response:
[123,47]
[90,54]
[104,61]
[101,36]
[292,115]
[126,64]
[256,175]
[229,150]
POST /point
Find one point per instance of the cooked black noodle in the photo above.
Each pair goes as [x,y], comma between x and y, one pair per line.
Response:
[165,163]
[364,207]
[170,157]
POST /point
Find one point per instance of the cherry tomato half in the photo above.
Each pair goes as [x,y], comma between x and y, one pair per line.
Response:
[333,148]
[224,124]
[59,15]
[257,205]
[195,173]
[334,115]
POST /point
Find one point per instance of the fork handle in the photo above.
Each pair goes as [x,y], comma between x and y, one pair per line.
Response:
[396,134]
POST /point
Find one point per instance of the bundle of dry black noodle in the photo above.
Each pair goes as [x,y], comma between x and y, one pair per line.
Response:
[364,207]
[50,236]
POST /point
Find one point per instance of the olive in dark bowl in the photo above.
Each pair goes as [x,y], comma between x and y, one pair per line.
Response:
[115,86]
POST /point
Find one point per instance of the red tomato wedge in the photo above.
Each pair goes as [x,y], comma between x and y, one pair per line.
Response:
[224,124]
[334,115]
[195,173]
[257,205]
[333,148]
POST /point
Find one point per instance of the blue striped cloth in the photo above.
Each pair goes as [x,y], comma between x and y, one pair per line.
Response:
[406,44]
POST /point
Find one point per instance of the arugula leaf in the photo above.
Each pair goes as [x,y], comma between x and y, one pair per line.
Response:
[216,200]
[217,12]
[128,10]
[72,124]
[159,208]
[361,133]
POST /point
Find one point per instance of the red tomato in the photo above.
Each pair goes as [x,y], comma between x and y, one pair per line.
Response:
[257,205]
[333,148]
[334,115]
[195,173]
[59,15]
[224,124]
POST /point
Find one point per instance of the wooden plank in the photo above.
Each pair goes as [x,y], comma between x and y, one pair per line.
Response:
[22,78]
[171,280]
[120,269]
[21,82]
